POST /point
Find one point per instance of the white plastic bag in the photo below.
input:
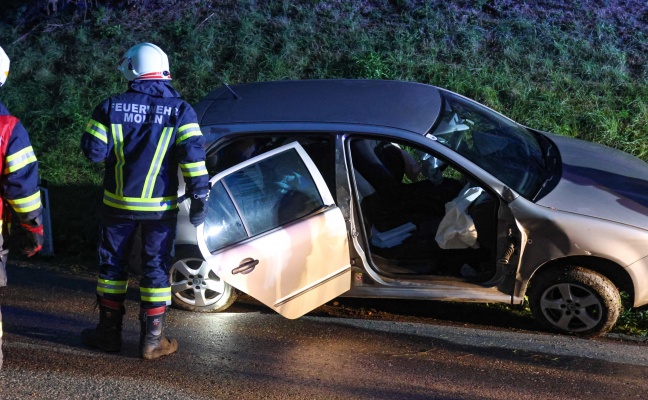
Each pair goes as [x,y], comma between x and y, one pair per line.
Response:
[457,229]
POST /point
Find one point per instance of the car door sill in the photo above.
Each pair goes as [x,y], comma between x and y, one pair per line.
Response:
[447,293]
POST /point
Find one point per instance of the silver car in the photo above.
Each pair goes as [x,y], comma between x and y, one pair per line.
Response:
[387,189]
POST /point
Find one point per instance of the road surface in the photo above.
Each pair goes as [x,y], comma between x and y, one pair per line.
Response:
[252,353]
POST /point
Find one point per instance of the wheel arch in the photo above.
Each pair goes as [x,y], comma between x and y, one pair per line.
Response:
[611,270]
[223,299]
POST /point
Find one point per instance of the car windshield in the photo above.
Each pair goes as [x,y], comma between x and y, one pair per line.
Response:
[501,147]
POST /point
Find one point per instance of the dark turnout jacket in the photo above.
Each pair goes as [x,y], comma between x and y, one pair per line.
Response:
[144,135]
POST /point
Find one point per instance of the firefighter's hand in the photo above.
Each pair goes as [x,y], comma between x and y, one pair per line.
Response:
[197,210]
[34,239]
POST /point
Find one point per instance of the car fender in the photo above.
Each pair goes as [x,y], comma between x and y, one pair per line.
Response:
[553,235]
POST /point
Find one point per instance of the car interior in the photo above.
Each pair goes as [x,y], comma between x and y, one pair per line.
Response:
[421,216]
[320,149]
[403,194]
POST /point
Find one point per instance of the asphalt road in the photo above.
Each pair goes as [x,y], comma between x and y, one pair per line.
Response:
[251,353]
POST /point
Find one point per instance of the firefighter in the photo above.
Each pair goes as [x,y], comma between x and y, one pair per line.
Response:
[19,185]
[142,136]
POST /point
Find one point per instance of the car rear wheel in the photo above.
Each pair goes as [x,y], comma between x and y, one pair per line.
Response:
[575,300]
[195,287]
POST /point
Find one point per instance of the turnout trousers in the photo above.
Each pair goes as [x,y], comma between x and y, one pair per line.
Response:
[117,238]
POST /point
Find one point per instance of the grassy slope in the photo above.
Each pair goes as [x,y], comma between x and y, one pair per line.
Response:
[576,68]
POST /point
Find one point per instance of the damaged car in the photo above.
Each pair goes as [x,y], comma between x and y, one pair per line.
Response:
[389,189]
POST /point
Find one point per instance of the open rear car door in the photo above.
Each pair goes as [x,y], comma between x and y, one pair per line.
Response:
[274,232]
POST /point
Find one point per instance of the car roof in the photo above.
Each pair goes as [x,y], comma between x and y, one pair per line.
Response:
[408,106]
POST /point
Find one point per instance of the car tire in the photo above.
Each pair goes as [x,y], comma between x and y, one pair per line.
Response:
[575,300]
[195,287]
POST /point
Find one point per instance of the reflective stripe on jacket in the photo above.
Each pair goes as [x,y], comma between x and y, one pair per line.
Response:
[19,168]
[144,136]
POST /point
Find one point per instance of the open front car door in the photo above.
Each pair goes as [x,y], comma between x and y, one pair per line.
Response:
[274,232]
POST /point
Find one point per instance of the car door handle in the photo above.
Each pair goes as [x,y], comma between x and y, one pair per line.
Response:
[246,266]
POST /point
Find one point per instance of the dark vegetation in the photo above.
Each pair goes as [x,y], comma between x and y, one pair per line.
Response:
[576,68]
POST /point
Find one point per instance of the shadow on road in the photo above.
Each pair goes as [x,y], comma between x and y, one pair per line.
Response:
[30,274]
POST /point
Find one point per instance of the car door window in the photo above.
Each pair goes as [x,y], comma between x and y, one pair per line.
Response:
[223,225]
[259,197]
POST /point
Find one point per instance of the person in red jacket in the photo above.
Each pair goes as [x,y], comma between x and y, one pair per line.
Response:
[18,184]
[143,136]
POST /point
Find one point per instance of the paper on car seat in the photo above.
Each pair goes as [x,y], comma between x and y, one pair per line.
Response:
[457,229]
[391,237]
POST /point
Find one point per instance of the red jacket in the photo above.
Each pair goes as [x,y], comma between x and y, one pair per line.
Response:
[18,176]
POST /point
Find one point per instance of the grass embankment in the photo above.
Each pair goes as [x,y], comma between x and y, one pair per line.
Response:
[572,68]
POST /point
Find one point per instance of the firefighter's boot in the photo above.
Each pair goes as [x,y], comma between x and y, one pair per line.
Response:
[153,343]
[107,335]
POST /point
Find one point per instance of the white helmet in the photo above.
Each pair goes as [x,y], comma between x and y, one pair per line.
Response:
[4,66]
[145,61]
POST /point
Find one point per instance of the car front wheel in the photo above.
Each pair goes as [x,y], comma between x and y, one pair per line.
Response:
[575,300]
[195,287]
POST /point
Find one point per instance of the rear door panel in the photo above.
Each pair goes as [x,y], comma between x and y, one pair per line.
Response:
[274,232]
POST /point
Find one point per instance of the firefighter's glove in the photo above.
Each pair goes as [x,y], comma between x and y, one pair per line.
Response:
[34,239]
[197,210]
